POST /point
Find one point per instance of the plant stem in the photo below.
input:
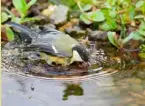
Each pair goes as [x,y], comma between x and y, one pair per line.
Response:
[79,5]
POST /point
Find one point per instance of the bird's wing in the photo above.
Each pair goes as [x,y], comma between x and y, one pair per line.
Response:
[24,34]
[55,42]
[45,48]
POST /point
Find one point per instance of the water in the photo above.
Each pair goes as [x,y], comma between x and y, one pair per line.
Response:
[120,82]
[51,92]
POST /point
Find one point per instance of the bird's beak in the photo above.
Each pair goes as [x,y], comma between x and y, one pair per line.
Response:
[76,57]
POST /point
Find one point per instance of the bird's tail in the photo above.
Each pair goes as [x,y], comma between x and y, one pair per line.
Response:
[24,34]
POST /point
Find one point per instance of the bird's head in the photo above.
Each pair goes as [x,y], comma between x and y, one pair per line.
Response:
[80,54]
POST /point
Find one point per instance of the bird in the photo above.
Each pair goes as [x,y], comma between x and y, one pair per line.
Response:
[53,46]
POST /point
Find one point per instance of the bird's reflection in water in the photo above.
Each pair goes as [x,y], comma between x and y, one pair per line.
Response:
[72,89]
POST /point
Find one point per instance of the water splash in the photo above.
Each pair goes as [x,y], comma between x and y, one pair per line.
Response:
[13,63]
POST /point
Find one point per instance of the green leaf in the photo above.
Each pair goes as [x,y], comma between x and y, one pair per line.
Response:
[142,47]
[85,19]
[105,26]
[107,5]
[131,11]
[111,37]
[142,25]
[87,7]
[108,25]
[69,3]
[111,2]
[31,3]
[97,16]
[142,54]
[139,4]
[138,36]
[133,35]
[130,36]
[141,32]
[139,17]
[10,34]
[21,6]
[10,13]
[94,2]
[112,14]
[86,1]
[4,17]
[143,9]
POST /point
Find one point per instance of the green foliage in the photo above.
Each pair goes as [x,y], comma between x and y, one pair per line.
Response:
[96,16]
[10,34]
[22,6]
[112,8]
[108,25]
[87,7]
[114,14]
[142,53]
[139,34]
[111,37]
[85,18]
[4,17]
[69,3]
[141,5]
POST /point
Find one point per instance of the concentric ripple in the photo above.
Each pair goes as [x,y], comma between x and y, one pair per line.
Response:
[105,66]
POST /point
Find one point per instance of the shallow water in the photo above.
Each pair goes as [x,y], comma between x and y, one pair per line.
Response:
[120,82]
[107,90]
[24,91]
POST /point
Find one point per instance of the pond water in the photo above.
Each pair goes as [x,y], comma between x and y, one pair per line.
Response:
[32,91]
[117,83]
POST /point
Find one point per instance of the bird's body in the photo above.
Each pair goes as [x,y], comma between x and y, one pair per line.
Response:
[53,45]
[56,40]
